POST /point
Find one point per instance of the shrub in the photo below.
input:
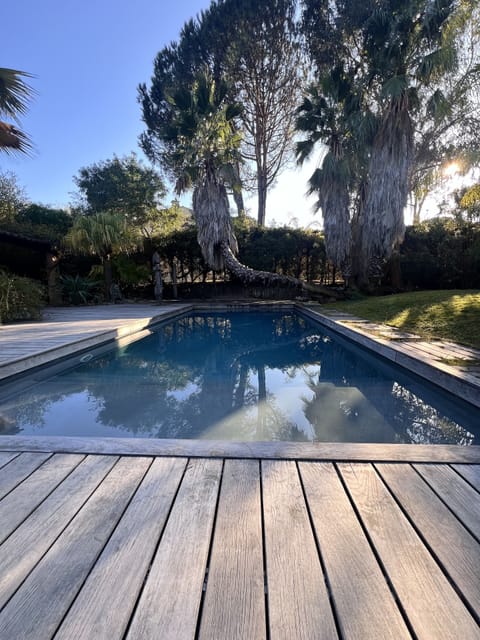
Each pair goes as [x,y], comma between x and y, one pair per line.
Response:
[20,298]
[77,290]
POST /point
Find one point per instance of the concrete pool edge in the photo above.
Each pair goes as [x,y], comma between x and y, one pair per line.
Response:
[278,450]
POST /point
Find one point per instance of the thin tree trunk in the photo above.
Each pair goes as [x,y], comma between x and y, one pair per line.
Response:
[262,197]
[238,193]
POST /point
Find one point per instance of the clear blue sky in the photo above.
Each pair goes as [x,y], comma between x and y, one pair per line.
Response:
[87,56]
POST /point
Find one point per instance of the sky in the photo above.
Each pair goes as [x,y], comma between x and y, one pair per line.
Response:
[88,57]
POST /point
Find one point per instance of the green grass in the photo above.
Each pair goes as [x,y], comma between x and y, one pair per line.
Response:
[451,315]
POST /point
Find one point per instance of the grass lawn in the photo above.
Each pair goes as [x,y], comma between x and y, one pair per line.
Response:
[452,315]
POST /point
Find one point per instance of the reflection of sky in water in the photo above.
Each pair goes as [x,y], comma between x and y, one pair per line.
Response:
[243,377]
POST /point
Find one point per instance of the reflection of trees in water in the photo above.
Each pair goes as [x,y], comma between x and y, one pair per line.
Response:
[425,424]
[356,401]
[197,373]
[206,376]
[30,407]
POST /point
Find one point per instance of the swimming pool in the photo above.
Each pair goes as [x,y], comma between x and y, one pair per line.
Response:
[252,376]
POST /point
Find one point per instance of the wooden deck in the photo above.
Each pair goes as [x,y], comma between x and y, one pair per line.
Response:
[65,330]
[106,547]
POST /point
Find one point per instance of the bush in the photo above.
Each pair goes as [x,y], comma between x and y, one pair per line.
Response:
[20,298]
[77,290]
[442,254]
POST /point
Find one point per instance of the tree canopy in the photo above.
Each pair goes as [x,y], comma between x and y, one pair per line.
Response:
[125,186]
[254,47]
[381,73]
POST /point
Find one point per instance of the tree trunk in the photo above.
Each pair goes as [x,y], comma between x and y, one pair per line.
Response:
[174,279]
[238,193]
[107,274]
[268,279]
[262,197]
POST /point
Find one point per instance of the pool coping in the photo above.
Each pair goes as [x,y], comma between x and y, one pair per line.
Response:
[278,450]
[444,376]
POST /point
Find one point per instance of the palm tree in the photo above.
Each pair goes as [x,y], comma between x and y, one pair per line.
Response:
[201,150]
[15,95]
[100,234]
[380,69]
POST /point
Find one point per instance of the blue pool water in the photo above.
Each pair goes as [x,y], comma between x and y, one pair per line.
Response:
[237,376]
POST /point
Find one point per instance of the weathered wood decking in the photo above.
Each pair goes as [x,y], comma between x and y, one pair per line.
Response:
[65,330]
[106,547]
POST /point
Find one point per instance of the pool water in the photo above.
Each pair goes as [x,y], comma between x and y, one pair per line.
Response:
[237,376]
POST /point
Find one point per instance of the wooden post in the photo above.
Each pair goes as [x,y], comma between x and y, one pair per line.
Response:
[53,274]
[157,276]
[174,278]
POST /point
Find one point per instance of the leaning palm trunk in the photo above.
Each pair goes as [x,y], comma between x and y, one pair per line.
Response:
[383,224]
[219,244]
[214,225]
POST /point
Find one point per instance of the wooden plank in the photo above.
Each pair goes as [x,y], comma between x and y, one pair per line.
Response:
[44,526]
[454,547]
[6,457]
[37,608]
[298,602]
[462,499]
[344,451]
[18,469]
[470,472]
[234,605]
[102,610]
[430,602]
[364,603]
[171,598]
[20,502]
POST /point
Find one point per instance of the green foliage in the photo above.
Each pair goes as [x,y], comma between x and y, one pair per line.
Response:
[12,198]
[255,47]
[124,186]
[126,271]
[441,254]
[394,96]
[44,223]
[201,136]
[20,298]
[77,290]
[100,234]
[470,202]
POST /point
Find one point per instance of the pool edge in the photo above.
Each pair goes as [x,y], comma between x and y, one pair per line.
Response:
[279,450]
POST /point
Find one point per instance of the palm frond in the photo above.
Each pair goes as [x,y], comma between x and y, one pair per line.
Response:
[12,140]
[394,87]
[15,93]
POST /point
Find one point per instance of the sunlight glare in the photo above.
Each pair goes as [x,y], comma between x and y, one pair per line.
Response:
[451,169]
